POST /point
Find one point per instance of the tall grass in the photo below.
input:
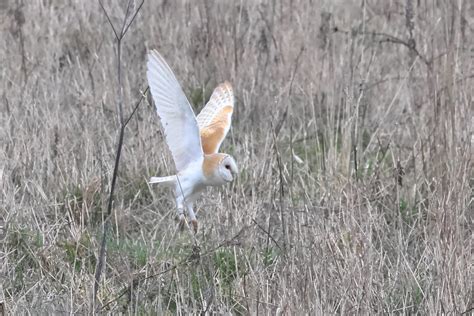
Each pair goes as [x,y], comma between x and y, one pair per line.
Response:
[353,133]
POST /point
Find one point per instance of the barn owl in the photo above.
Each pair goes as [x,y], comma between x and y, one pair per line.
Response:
[193,141]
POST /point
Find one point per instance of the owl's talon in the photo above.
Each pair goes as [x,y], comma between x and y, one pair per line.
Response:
[182,221]
[195,225]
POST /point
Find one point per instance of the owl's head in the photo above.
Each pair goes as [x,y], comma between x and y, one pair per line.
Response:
[227,169]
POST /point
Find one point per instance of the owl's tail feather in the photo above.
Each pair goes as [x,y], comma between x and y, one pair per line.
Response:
[168,181]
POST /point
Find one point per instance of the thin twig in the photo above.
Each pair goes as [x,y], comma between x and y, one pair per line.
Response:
[136,106]
[282,188]
[268,234]
[125,18]
[123,125]
[108,19]
[133,17]
[293,74]
[393,39]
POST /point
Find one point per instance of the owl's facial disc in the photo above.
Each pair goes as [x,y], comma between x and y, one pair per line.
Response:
[228,169]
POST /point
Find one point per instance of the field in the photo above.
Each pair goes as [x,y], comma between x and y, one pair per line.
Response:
[353,133]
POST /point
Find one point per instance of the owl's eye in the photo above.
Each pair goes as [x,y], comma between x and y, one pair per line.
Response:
[227,167]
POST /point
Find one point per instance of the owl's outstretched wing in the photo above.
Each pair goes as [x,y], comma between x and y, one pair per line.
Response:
[215,118]
[175,112]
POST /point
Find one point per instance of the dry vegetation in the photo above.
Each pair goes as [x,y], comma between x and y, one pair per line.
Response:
[353,133]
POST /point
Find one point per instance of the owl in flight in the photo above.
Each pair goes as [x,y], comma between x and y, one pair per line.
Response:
[194,141]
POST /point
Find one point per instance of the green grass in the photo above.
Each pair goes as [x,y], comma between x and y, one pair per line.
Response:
[79,253]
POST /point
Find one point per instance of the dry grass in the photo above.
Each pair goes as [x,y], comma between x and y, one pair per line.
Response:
[375,98]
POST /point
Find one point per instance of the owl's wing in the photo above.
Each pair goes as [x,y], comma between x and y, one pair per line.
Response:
[175,112]
[215,118]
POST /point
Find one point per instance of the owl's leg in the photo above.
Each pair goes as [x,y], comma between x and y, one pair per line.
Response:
[180,211]
[192,216]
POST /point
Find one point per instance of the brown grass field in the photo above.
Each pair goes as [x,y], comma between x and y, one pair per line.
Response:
[353,132]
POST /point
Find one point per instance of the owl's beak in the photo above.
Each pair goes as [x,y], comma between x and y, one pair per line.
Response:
[233,173]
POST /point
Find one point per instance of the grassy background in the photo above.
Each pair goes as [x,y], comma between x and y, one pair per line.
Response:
[352,130]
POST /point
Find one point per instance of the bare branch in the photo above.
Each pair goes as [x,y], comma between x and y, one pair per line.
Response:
[125,18]
[108,19]
[268,234]
[392,39]
[123,124]
[136,106]
[133,17]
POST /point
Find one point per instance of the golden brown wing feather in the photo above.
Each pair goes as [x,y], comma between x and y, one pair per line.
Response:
[213,134]
[215,118]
